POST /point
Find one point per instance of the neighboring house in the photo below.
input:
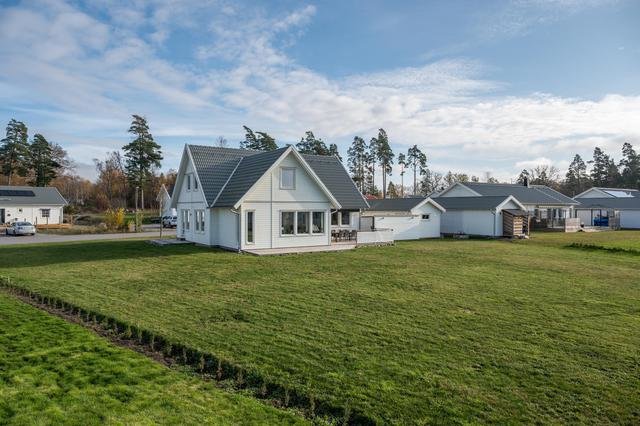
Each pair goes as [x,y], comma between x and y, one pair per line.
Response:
[409,218]
[489,216]
[616,207]
[40,206]
[246,200]
[164,201]
[548,207]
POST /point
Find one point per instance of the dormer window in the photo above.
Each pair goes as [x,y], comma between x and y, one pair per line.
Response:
[188,182]
[287,178]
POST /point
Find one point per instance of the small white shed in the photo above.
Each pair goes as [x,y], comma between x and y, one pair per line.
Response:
[409,218]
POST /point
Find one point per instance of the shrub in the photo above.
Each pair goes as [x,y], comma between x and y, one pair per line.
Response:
[114,218]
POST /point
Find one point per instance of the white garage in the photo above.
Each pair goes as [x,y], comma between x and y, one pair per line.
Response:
[409,218]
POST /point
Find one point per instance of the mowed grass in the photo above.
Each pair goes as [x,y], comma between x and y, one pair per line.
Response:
[626,240]
[53,372]
[426,331]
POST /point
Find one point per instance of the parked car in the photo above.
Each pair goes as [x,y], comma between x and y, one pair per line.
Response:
[170,221]
[21,228]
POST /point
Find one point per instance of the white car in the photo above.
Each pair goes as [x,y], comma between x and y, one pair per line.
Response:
[21,228]
[170,221]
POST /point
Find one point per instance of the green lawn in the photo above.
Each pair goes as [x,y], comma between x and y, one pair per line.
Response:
[53,372]
[426,331]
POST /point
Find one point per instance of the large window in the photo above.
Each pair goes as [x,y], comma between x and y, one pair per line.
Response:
[317,225]
[250,227]
[199,220]
[287,220]
[303,223]
[287,178]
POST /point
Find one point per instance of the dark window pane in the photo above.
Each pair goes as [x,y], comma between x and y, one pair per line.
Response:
[303,222]
[334,218]
[249,227]
[318,222]
[345,217]
[286,227]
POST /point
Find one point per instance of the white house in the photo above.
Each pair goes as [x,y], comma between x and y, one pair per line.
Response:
[409,218]
[604,206]
[40,206]
[250,200]
[164,201]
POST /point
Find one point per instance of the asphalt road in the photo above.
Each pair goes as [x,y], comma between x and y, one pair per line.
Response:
[51,238]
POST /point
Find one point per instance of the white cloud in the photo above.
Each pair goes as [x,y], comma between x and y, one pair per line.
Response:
[87,76]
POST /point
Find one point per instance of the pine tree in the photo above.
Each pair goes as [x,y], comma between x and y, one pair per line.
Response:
[524,177]
[418,162]
[402,162]
[41,161]
[576,179]
[266,142]
[604,171]
[333,150]
[14,150]
[392,191]
[357,162]
[384,155]
[372,163]
[250,140]
[630,165]
[142,154]
[309,144]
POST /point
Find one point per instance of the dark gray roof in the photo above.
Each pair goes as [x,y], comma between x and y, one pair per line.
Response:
[249,171]
[332,173]
[214,166]
[629,203]
[30,196]
[395,204]
[534,194]
[470,203]
[226,174]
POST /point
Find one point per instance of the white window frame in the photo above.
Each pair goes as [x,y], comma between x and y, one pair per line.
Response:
[282,170]
[186,220]
[253,226]
[42,213]
[324,225]
[309,213]
[199,220]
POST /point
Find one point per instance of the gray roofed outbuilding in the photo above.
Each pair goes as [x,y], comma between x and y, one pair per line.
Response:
[533,194]
[471,203]
[627,203]
[30,196]
[395,204]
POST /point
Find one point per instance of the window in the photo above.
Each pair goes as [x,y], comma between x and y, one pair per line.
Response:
[186,219]
[195,183]
[426,217]
[318,222]
[334,218]
[250,226]
[199,221]
[45,212]
[303,223]
[188,182]
[345,218]
[287,223]
[287,178]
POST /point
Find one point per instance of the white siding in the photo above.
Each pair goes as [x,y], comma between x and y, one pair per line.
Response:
[33,214]
[412,227]
[192,200]
[630,219]
[267,201]
[471,222]
[227,228]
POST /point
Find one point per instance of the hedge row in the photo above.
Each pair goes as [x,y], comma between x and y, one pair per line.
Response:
[204,363]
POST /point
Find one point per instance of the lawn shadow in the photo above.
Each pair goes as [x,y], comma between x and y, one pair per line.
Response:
[26,256]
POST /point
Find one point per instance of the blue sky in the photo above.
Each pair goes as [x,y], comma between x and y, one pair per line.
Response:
[479,86]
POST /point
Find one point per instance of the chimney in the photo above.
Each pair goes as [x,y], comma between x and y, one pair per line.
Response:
[526,182]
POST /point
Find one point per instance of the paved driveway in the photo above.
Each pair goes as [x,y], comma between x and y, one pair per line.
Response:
[51,238]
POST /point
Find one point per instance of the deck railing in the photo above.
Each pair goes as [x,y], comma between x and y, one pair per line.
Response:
[375,237]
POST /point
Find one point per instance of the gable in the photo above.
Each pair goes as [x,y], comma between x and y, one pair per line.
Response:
[181,191]
[458,190]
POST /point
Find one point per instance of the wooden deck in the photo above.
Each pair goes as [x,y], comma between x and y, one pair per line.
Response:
[339,246]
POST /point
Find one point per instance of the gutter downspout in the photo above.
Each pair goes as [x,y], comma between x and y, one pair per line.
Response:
[495,217]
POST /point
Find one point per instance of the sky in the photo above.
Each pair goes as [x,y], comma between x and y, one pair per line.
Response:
[481,87]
